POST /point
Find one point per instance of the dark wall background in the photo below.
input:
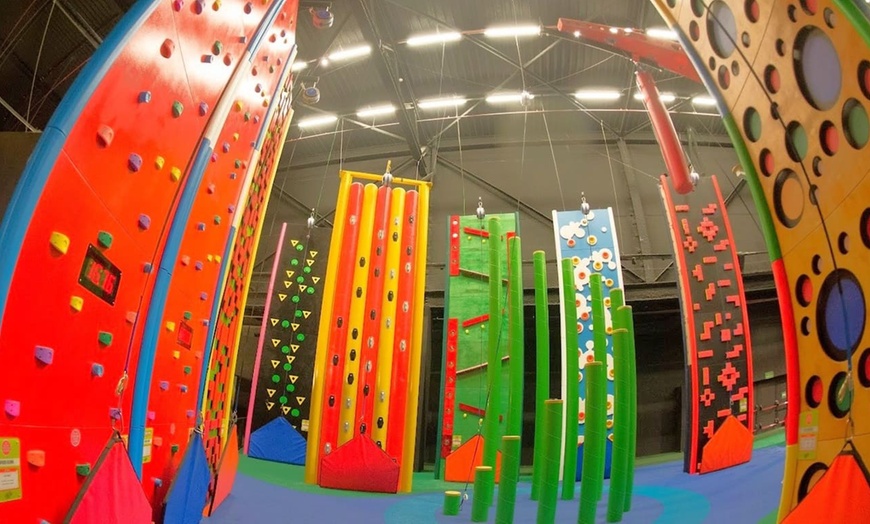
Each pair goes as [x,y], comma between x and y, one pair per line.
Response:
[15,149]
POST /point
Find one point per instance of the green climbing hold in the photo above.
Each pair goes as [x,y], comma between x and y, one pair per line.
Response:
[217,220]
[83,470]
[285,324]
[310,290]
[299,247]
[300,337]
[291,388]
[298,314]
[188,315]
[282,400]
[105,239]
[238,163]
[294,412]
[307,270]
[187,370]
[294,262]
[105,338]
[276,379]
[300,279]
[285,350]
[287,366]
[177,109]
[174,448]
[217,47]
[295,299]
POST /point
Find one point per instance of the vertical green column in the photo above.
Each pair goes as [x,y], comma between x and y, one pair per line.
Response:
[493,368]
[484,484]
[572,372]
[599,337]
[452,502]
[632,399]
[552,436]
[592,481]
[510,475]
[542,365]
[621,413]
[517,342]
[617,300]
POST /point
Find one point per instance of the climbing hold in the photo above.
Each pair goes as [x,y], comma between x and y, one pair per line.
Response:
[216,5]
[232,176]
[44,354]
[238,163]
[185,260]
[170,326]
[217,220]
[248,8]
[247,116]
[131,317]
[97,370]
[203,109]
[197,7]
[183,388]
[177,4]
[36,458]
[164,385]
[59,241]
[198,265]
[76,303]
[214,157]
[175,174]
[176,355]
[144,97]
[203,296]
[174,448]
[190,413]
[177,109]
[187,370]
[231,208]
[104,238]
[158,162]
[147,268]
[167,48]
[105,135]
[331,400]
[239,106]
[258,88]
[105,338]
[211,189]
[217,47]
[12,407]
[257,121]
[334,360]
[226,147]
[152,415]
[188,315]
[115,413]
[83,470]
[200,227]
[157,482]
[362,428]
[366,390]
[134,163]
[157,441]
[380,422]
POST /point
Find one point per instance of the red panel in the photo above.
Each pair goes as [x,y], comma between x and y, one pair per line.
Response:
[454,245]
[360,465]
[226,474]
[449,387]
[172,410]
[404,326]
[114,494]
[338,332]
[476,320]
[365,405]
[730,445]
[841,495]
[476,232]
[672,151]
[792,362]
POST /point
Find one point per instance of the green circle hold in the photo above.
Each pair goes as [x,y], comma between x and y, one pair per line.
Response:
[294,412]
[299,247]
[300,337]
[300,280]
[285,324]
[287,367]
[294,262]
[306,269]
[291,388]
[310,290]
[295,299]
[276,379]
[298,314]
[285,349]
[282,400]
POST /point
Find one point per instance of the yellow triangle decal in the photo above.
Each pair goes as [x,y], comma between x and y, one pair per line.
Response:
[285,409]
[294,347]
[295,326]
[312,254]
[306,313]
[287,284]
[282,297]
[293,378]
[290,358]
[302,287]
[294,242]
[270,405]
[275,363]
[290,273]
[315,279]
[309,262]
[300,400]
[274,321]
[271,392]
[276,341]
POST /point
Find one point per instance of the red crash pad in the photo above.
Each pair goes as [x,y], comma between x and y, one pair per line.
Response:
[360,465]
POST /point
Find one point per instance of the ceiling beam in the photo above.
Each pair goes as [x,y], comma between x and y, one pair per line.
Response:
[372,19]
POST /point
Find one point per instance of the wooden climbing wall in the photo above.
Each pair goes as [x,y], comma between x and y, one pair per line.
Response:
[791,81]
[590,242]
[466,328]
[718,349]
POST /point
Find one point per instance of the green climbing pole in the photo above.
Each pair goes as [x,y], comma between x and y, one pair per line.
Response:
[572,371]
[542,366]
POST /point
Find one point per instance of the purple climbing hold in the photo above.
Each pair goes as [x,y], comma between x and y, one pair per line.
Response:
[115,413]
[183,388]
[164,385]
[203,109]
[198,6]
[198,266]
[190,413]
[152,415]
[157,482]
[147,268]
[232,176]
[13,408]
[200,226]
[144,222]
[203,296]
[97,370]
[226,147]
[231,208]
[258,88]
[44,354]
[144,97]
[256,119]
[134,163]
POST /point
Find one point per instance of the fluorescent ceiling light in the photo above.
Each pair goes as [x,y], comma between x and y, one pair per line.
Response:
[517,30]
[576,34]
[315,121]
[351,52]
[434,103]
[590,95]
[613,30]
[704,101]
[506,98]
[376,111]
[665,97]
[433,38]
[661,33]
[298,66]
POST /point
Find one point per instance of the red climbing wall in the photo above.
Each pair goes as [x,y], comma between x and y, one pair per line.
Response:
[88,225]
[718,350]
[183,336]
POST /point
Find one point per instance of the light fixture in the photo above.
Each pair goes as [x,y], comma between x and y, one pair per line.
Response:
[315,121]
[576,34]
[298,66]
[350,52]
[613,30]
[433,38]
[515,30]
[704,100]
[435,103]
[661,33]
[371,111]
[664,97]
[592,95]
[507,98]
[324,62]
